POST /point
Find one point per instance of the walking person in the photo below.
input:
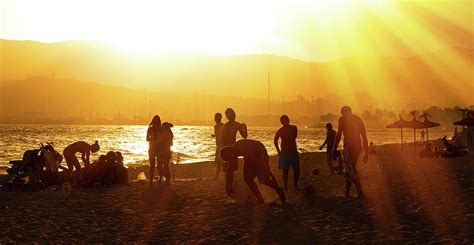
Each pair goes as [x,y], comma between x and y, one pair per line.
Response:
[329,141]
[353,129]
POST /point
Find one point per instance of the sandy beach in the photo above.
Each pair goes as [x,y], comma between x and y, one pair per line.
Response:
[409,200]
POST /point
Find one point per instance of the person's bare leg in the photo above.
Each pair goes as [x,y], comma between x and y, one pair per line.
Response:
[348,188]
[229,177]
[166,170]
[331,169]
[152,169]
[253,187]
[296,178]
[360,193]
[284,176]
[160,169]
[218,170]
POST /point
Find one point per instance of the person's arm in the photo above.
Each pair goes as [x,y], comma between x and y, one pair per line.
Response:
[275,141]
[324,143]
[148,135]
[243,130]
[364,142]
[340,127]
[85,158]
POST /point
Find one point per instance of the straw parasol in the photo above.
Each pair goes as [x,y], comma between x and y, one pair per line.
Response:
[414,124]
[427,123]
[401,123]
[467,121]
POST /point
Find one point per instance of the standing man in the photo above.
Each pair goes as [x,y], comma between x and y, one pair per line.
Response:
[353,129]
[288,154]
[217,135]
[330,138]
[228,137]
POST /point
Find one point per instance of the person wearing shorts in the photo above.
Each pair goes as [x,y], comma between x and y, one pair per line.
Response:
[227,138]
[256,164]
[353,129]
[330,137]
[288,153]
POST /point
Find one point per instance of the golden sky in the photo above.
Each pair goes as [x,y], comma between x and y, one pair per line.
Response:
[309,30]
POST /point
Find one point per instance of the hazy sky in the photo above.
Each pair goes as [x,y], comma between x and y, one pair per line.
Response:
[310,30]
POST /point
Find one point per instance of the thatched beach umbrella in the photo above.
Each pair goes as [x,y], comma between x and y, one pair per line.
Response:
[427,123]
[468,121]
[399,124]
[414,124]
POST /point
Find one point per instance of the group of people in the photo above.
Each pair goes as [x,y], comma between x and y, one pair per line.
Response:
[256,159]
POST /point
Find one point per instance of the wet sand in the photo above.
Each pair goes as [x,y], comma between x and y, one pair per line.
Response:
[408,200]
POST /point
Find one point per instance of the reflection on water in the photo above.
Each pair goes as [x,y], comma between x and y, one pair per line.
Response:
[192,143]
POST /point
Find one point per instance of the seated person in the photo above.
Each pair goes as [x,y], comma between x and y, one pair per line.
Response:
[120,172]
[427,152]
[256,164]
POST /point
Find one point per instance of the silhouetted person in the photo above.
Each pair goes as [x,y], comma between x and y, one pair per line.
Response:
[82,147]
[256,164]
[153,139]
[217,135]
[288,154]
[330,138]
[422,135]
[228,138]
[165,153]
[372,148]
[353,129]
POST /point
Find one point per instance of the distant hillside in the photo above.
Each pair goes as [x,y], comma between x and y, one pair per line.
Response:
[447,74]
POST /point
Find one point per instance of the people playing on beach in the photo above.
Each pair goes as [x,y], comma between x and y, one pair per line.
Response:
[353,129]
[153,137]
[228,138]
[256,164]
[329,141]
[372,150]
[217,135]
[288,154]
[165,153]
[82,147]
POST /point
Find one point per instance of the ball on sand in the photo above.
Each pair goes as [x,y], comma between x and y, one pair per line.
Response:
[309,193]
[315,171]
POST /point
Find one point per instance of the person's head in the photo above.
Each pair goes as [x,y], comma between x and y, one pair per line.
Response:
[228,153]
[285,120]
[119,155]
[111,156]
[230,114]
[95,147]
[218,117]
[346,111]
[329,126]
[436,148]
[371,143]
[102,158]
[155,122]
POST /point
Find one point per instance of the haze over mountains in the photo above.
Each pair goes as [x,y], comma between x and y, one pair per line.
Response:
[194,85]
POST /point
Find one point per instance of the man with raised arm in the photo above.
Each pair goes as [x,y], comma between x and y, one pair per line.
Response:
[353,129]
[228,138]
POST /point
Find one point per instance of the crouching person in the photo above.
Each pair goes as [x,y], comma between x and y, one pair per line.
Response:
[256,164]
